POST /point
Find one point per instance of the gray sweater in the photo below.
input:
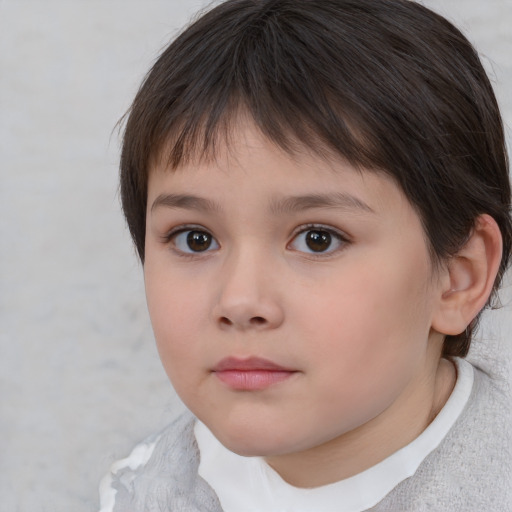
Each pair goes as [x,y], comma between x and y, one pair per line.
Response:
[470,471]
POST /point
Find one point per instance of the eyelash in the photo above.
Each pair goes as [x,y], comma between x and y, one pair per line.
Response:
[340,237]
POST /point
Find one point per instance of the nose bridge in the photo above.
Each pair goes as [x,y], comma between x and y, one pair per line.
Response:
[248,295]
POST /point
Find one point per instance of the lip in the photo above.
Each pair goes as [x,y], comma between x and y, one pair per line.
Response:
[251,374]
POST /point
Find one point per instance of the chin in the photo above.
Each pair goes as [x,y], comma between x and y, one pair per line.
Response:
[249,446]
[251,443]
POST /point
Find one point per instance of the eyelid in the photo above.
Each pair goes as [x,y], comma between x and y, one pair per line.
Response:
[185,227]
[320,227]
[166,237]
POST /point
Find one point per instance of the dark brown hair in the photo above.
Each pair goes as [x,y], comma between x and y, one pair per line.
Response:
[387,84]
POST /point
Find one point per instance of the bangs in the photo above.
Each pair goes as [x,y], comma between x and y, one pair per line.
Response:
[189,140]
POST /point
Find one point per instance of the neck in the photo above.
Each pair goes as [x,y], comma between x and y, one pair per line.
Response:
[369,444]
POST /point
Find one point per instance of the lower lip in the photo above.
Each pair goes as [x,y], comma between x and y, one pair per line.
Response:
[252,380]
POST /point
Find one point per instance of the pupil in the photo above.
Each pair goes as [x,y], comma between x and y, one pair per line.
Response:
[198,241]
[318,241]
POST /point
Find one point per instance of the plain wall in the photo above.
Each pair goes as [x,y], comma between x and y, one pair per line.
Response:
[80,379]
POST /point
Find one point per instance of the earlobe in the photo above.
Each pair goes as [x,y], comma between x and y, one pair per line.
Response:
[469,278]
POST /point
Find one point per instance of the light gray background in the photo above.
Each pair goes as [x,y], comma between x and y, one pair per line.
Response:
[80,379]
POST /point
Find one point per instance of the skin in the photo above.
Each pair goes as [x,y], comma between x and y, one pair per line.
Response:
[353,321]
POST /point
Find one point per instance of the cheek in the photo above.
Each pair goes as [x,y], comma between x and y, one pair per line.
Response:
[371,320]
[177,315]
[361,350]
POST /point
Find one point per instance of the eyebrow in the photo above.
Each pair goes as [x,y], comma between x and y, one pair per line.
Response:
[337,200]
[185,201]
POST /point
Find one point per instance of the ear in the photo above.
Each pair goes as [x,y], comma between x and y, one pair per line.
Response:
[468,279]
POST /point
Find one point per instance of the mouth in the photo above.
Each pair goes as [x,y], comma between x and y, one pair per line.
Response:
[252,374]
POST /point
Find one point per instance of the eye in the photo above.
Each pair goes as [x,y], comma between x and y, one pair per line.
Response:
[193,241]
[317,240]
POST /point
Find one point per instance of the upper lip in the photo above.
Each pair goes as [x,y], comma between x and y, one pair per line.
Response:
[247,364]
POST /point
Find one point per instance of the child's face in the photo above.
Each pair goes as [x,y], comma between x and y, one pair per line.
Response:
[316,268]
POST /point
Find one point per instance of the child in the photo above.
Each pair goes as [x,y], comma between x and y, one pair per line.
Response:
[318,192]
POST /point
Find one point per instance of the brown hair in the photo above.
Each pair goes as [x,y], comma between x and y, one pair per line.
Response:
[387,84]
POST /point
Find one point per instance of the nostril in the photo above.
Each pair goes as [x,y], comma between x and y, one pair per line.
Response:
[255,321]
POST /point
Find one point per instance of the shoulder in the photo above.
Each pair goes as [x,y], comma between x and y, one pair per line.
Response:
[159,474]
[471,470]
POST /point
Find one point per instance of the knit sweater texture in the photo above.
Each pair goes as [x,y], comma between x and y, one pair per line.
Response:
[470,471]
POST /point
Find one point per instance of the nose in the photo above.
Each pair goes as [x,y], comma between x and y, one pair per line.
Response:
[248,297]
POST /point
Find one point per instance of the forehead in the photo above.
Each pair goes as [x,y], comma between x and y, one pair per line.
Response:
[247,164]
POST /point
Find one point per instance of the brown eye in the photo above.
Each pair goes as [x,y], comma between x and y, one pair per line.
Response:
[194,241]
[199,241]
[318,241]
